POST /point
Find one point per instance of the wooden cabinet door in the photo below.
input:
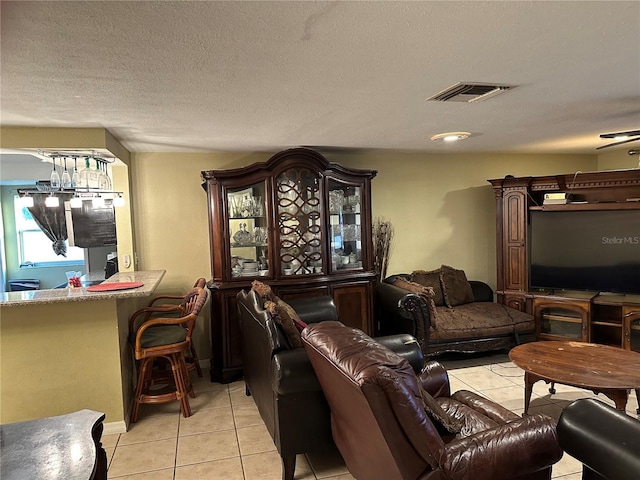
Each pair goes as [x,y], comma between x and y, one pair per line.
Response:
[562,318]
[631,327]
[354,306]
[515,243]
[226,346]
[517,302]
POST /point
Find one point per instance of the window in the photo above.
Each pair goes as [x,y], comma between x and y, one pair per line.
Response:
[34,248]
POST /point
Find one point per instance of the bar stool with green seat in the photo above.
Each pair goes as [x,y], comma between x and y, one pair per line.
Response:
[164,337]
[193,363]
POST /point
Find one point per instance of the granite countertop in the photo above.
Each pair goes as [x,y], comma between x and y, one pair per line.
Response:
[150,278]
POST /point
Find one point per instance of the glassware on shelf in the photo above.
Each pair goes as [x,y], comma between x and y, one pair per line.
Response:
[75,178]
[336,200]
[242,236]
[55,176]
[104,182]
[66,177]
[89,177]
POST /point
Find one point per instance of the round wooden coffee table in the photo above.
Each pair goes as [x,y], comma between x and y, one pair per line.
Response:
[602,369]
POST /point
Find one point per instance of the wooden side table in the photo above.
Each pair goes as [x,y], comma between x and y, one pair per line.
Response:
[63,447]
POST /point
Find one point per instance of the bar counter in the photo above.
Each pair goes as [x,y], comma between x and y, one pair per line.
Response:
[64,350]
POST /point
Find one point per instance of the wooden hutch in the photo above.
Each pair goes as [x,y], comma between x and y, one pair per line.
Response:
[563,315]
[300,224]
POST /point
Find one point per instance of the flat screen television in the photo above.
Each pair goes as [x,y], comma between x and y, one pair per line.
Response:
[585,250]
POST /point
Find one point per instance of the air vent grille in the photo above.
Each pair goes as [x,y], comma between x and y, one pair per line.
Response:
[470,92]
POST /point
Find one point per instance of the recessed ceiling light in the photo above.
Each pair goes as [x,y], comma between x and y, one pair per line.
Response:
[450,136]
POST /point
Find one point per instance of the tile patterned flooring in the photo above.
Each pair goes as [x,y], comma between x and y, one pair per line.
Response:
[225,438]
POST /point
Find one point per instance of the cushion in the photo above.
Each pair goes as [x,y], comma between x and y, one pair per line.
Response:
[263,290]
[438,416]
[286,317]
[300,325]
[162,335]
[426,293]
[429,279]
[456,288]
[480,320]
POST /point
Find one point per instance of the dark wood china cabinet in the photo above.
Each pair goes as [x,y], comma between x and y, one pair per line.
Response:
[298,223]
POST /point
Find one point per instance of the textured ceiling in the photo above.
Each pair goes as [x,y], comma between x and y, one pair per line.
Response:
[245,76]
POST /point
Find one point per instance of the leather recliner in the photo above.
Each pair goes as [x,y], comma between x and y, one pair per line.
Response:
[281,379]
[605,440]
[380,424]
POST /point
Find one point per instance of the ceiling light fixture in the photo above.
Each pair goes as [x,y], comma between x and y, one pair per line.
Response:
[450,136]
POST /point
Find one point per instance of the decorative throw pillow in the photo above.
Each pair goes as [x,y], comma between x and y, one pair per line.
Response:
[284,315]
[263,290]
[438,416]
[455,287]
[300,325]
[429,279]
[426,293]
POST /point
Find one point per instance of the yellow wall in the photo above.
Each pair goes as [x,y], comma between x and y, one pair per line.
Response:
[619,159]
[171,221]
[58,358]
[441,206]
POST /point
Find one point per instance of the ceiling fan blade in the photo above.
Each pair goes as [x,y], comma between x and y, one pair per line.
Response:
[618,143]
[630,133]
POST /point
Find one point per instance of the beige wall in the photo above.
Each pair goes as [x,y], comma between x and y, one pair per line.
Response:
[171,220]
[70,348]
[443,209]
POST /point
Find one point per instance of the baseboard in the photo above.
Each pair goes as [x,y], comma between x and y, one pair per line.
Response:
[111,428]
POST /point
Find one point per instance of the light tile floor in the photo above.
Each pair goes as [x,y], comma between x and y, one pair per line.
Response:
[225,438]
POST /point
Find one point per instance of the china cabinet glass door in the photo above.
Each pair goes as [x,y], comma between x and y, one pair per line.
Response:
[249,242]
[299,222]
[345,224]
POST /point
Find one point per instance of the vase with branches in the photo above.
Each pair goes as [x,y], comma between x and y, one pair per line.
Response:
[382,237]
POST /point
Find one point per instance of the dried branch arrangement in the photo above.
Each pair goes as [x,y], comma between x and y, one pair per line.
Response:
[382,236]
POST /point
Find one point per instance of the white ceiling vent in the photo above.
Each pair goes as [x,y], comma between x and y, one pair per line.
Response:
[470,92]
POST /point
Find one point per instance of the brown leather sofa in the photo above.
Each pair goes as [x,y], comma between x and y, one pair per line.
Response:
[281,379]
[605,440]
[382,430]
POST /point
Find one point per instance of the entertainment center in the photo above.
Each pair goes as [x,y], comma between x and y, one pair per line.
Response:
[568,251]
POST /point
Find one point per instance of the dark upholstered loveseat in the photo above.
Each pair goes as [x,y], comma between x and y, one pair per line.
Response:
[479,325]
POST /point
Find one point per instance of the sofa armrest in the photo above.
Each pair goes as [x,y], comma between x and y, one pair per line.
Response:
[604,439]
[401,311]
[292,372]
[482,292]
[435,379]
[512,450]
[406,346]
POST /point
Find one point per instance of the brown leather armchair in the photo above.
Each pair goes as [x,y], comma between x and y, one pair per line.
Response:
[281,379]
[382,430]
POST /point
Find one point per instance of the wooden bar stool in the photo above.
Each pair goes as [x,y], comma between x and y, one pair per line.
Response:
[193,362]
[168,338]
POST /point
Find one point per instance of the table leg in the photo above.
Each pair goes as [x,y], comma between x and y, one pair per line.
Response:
[638,400]
[529,380]
[618,396]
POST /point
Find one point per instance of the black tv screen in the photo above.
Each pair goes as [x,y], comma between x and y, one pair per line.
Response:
[585,250]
